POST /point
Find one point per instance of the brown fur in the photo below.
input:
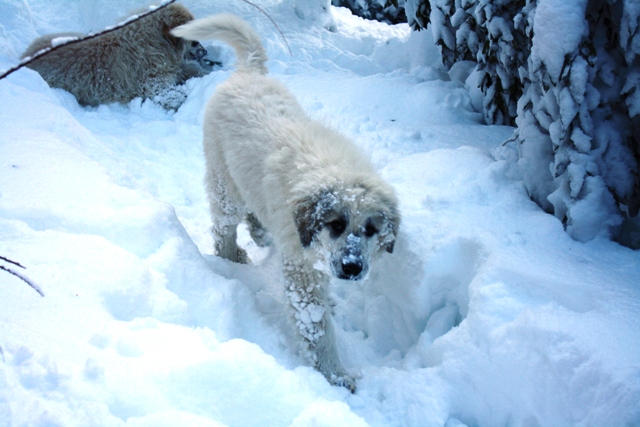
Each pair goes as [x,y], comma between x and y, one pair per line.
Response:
[139,60]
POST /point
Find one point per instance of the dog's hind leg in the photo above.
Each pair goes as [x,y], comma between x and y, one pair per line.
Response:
[306,288]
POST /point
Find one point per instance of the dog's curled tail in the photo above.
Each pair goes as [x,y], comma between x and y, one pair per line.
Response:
[232,30]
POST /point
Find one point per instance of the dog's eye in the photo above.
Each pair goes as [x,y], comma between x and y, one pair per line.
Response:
[370,230]
[337,226]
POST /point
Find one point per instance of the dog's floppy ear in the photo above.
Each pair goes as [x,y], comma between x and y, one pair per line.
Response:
[310,214]
[393,220]
[173,16]
[389,246]
[306,219]
[176,42]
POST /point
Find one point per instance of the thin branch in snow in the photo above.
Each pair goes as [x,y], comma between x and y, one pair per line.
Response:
[20,275]
[512,138]
[17,264]
[272,21]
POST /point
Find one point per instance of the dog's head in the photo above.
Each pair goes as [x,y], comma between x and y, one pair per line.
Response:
[173,16]
[347,226]
[194,51]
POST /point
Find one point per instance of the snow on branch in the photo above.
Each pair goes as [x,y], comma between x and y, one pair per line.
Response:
[19,275]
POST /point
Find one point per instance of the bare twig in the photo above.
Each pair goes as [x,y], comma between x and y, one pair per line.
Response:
[272,21]
[17,264]
[44,52]
[19,275]
[512,138]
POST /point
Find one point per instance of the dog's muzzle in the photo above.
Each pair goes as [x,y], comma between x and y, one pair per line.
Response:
[351,269]
[351,265]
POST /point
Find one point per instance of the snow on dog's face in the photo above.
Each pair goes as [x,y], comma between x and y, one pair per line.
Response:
[347,227]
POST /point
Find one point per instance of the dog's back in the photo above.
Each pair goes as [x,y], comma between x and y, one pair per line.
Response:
[240,117]
[260,138]
[314,191]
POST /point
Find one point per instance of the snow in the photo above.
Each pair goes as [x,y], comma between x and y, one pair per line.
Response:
[568,105]
[61,40]
[554,18]
[486,314]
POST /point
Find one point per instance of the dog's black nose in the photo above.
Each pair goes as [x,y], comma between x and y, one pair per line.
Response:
[352,269]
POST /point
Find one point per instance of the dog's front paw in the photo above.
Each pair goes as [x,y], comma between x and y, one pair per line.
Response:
[171,98]
[343,380]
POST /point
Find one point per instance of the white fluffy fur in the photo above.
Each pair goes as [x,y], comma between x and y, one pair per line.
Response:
[296,177]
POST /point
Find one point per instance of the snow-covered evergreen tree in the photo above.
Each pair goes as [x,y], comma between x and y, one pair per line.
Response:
[418,13]
[501,56]
[575,134]
[630,45]
[489,32]
[567,74]
[389,11]
[442,28]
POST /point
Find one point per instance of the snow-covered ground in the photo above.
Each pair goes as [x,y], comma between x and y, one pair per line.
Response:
[487,313]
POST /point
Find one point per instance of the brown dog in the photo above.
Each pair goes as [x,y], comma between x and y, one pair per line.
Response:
[142,59]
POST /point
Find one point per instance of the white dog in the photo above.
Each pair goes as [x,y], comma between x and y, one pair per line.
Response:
[325,207]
